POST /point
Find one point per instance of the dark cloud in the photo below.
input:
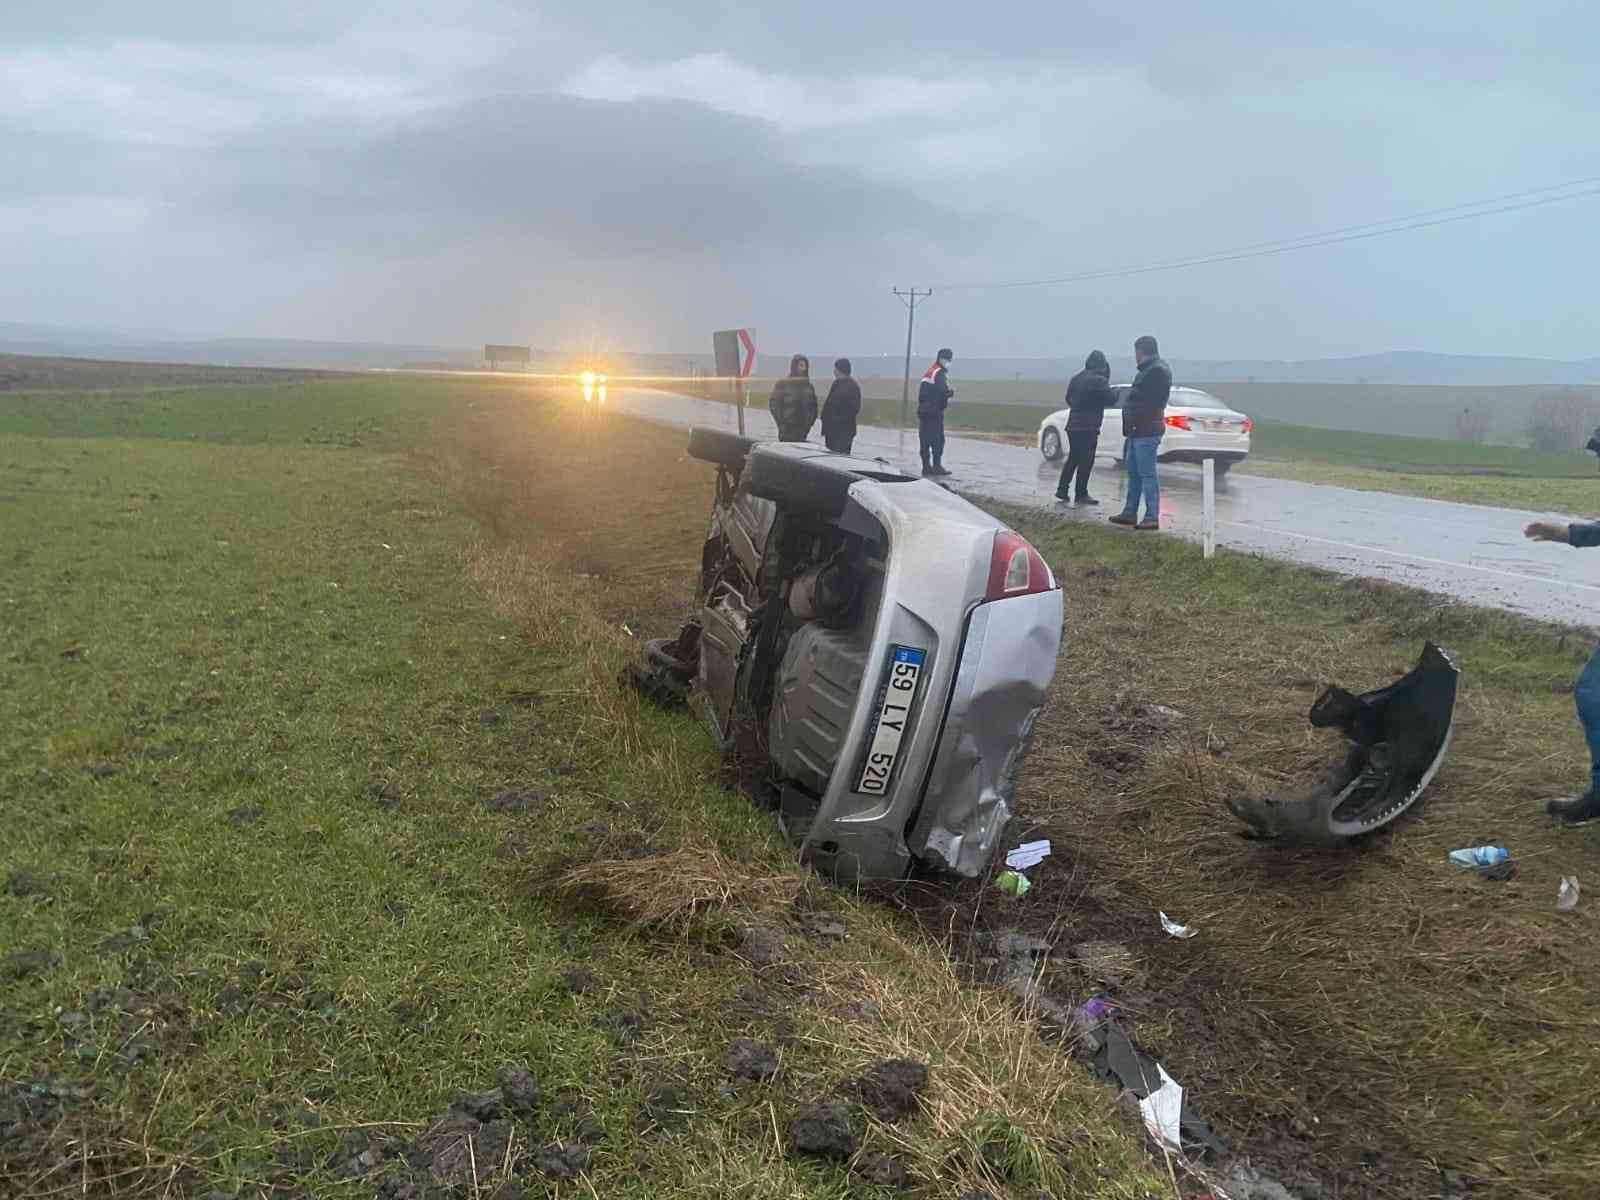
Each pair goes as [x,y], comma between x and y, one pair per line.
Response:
[645,177]
[417,170]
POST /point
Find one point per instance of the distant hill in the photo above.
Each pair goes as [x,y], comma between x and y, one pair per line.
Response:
[1394,367]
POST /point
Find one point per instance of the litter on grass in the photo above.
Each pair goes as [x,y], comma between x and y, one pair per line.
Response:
[1479,856]
[1163,1111]
[1176,930]
[1029,854]
[1012,884]
[1567,894]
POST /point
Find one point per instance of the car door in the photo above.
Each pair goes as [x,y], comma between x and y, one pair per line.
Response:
[1111,424]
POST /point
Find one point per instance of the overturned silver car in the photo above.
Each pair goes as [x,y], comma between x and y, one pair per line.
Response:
[875,647]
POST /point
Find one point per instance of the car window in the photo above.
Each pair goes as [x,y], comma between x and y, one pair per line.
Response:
[1196,400]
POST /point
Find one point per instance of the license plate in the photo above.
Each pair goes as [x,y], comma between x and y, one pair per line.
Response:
[894,710]
[1218,426]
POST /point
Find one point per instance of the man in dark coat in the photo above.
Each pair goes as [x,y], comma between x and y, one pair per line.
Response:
[793,403]
[1144,420]
[933,397]
[1088,397]
[840,409]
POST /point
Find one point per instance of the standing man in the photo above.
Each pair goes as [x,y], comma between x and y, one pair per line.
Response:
[793,403]
[1144,420]
[1580,810]
[933,397]
[1088,396]
[841,408]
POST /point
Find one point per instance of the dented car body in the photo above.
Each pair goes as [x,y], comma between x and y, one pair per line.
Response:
[874,646]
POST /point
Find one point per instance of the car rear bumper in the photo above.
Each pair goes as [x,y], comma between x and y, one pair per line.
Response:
[1008,659]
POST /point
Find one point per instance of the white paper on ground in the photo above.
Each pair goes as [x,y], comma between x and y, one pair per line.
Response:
[1567,894]
[1029,854]
[1163,1110]
[1176,930]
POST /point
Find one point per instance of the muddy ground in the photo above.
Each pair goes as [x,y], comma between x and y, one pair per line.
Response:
[1364,1022]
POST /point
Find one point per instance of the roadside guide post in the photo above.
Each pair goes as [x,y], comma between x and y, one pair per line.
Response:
[1208,507]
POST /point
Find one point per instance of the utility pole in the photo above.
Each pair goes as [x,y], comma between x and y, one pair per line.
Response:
[909,298]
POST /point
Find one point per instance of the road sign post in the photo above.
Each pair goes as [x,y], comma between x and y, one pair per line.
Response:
[735,353]
[1208,507]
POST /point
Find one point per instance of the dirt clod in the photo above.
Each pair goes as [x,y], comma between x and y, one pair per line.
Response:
[892,1089]
[881,1170]
[26,963]
[25,882]
[823,1130]
[520,1092]
[579,981]
[457,1141]
[481,1106]
[762,946]
[245,814]
[749,1061]
[562,1161]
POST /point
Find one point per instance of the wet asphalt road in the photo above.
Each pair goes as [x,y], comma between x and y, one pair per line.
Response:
[1469,552]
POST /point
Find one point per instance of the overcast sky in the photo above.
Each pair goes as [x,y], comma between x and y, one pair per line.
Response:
[635,174]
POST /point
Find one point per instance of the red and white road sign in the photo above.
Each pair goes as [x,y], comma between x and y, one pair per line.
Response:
[747,340]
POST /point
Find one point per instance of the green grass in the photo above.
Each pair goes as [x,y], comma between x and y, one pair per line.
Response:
[1507,476]
[296,735]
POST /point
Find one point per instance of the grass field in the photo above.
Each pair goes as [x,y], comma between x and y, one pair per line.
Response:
[307,719]
[301,738]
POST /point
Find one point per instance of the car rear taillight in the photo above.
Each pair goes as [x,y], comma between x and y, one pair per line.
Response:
[1177,421]
[1016,569]
[1248,425]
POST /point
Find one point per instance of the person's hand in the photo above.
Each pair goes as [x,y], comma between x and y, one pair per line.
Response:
[1546,531]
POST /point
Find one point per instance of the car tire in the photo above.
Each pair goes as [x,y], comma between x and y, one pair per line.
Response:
[799,483]
[720,447]
[1224,465]
[1050,444]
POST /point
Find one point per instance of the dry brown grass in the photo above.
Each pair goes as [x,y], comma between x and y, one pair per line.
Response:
[694,882]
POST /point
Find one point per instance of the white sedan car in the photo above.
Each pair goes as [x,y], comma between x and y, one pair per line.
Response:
[1199,426]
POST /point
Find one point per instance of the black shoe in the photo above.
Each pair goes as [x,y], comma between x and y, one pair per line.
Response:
[1124,518]
[1060,499]
[1088,500]
[938,469]
[1576,810]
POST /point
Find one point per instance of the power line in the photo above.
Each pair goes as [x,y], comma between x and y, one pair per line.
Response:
[1450,214]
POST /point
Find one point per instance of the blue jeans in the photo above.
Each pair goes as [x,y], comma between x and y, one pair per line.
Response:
[1587,694]
[1141,455]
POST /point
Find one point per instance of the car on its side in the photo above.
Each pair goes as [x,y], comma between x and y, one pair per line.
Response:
[873,649]
[1199,426]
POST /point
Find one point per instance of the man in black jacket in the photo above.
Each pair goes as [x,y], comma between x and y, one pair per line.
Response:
[933,397]
[1144,420]
[793,403]
[840,409]
[1088,396]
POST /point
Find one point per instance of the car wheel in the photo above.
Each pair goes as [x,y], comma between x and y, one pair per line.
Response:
[800,483]
[720,447]
[1224,465]
[1050,443]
